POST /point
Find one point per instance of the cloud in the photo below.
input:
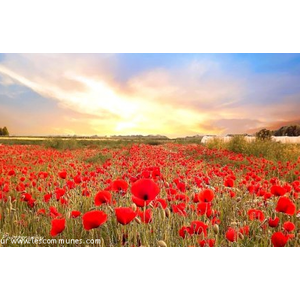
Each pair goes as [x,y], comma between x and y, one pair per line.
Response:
[199,96]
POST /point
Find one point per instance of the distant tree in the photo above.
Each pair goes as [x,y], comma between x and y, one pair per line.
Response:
[291,130]
[264,134]
[5,131]
[1,131]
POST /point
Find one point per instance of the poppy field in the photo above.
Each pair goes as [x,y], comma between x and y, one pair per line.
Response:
[139,195]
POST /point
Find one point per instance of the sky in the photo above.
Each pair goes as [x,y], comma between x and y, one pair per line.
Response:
[168,94]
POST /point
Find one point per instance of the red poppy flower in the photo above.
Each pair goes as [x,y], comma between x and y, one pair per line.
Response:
[54,213]
[86,193]
[215,220]
[125,215]
[26,197]
[207,243]
[229,182]
[75,214]
[185,230]
[179,209]
[47,197]
[206,195]
[279,239]
[77,179]
[231,235]
[277,190]
[71,184]
[144,191]
[160,203]
[289,226]
[198,227]
[58,226]
[62,174]
[273,222]
[286,206]
[140,202]
[59,193]
[232,194]
[41,211]
[267,196]
[244,230]
[182,197]
[102,197]
[31,203]
[93,219]
[119,186]
[146,216]
[204,208]
[256,214]
[11,173]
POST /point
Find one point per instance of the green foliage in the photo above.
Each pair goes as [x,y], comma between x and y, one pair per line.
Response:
[186,141]
[269,149]
[237,144]
[75,143]
[153,143]
[61,144]
[264,134]
[216,143]
[99,158]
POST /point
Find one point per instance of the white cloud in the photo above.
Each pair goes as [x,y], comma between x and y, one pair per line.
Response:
[182,100]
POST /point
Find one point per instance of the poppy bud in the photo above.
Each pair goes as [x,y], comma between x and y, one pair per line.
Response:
[216,228]
[168,212]
[133,206]
[138,220]
[161,244]
[201,236]
[163,214]
[10,204]
[240,236]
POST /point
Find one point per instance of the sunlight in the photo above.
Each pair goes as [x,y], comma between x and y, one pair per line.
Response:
[101,97]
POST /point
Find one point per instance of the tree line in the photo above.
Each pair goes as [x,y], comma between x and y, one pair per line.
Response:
[4,131]
[291,130]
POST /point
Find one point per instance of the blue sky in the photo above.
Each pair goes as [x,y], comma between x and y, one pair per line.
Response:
[258,63]
[171,94]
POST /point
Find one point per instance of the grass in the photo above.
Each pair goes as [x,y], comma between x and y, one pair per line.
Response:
[98,158]
[78,143]
[270,150]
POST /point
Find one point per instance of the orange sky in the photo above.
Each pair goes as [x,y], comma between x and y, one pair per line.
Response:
[169,94]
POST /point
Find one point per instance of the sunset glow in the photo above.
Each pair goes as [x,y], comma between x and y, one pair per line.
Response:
[167,94]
